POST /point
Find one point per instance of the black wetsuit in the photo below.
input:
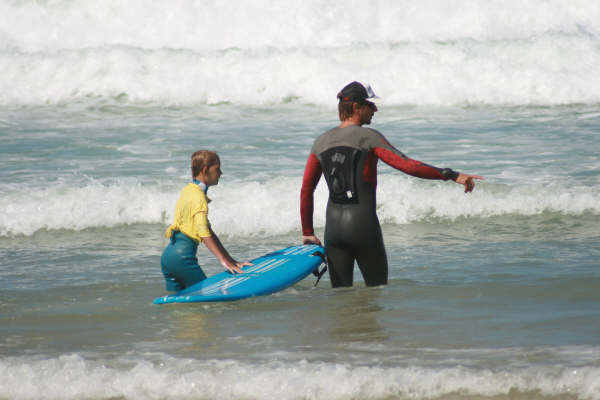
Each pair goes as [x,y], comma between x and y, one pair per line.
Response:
[348,159]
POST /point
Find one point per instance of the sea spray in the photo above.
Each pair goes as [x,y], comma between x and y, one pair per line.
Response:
[184,53]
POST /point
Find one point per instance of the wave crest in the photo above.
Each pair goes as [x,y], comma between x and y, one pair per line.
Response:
[272,207]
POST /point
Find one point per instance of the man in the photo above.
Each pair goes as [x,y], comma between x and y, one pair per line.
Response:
[347,156]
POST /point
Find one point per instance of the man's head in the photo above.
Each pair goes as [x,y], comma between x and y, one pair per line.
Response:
[353,101]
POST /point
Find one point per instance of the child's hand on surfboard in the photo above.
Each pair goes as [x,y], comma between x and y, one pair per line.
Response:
[235,267]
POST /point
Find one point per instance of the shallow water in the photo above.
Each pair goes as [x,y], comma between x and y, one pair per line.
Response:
[490,294]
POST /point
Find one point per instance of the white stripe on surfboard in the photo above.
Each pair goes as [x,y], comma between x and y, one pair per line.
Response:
[224,285]
[269,267]
[256,267]
[300,250]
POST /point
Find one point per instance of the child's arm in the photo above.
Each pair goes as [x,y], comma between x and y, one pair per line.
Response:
[216,247]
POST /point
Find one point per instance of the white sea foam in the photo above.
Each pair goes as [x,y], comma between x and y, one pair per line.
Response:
[73,377]
[404,200]
[62,206]
[34,26]
[272,207]
[186,52]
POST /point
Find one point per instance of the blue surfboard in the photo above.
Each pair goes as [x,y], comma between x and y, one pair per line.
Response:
[269,274]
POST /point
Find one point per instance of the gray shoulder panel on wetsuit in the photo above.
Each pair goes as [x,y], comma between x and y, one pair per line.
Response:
[353,136]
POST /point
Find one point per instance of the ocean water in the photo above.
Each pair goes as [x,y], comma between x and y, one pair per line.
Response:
[492,295]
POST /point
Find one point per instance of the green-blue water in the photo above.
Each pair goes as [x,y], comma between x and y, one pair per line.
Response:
[494,293]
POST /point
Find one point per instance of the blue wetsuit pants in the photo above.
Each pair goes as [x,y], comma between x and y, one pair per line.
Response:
[179,263]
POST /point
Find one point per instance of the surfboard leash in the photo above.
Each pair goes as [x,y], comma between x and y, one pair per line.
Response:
[320,273]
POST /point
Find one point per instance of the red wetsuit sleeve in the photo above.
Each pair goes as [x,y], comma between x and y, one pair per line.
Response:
[408,165]
[312,175]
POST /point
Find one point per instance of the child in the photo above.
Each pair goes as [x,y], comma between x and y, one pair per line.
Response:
[179,263]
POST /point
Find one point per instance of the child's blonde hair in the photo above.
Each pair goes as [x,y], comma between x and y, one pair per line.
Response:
[202,159]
